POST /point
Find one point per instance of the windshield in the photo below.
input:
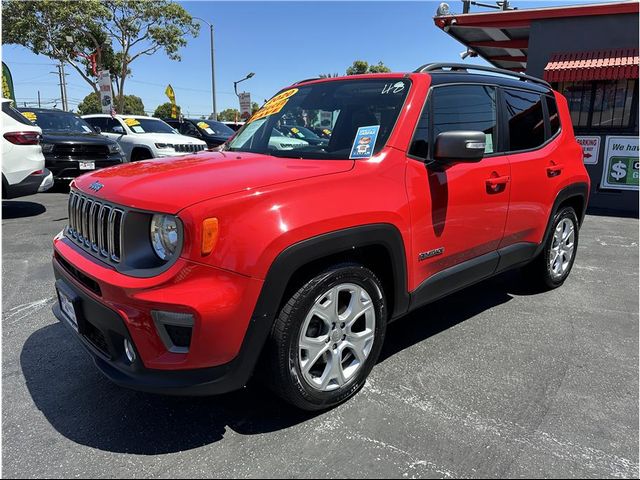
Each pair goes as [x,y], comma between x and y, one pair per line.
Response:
[297,131]
[361,115]
[214,128]
[57,121]
[147,125]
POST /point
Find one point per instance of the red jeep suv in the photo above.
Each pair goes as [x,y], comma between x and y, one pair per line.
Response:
[289,258]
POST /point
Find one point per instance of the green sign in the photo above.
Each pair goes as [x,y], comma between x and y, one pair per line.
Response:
[621,163]
[7,84]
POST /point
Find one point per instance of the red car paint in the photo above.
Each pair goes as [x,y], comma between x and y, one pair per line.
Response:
[266,204]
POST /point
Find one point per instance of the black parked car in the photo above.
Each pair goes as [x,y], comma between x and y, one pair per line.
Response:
[212,132]
[70,145]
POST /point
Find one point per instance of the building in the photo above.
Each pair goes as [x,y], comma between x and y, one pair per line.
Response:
[589,53]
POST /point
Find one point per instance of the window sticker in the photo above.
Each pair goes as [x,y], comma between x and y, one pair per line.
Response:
[137,128]
[203,125]
[30,116]
[131,122]
[364,142]
[274,105]
[326,131]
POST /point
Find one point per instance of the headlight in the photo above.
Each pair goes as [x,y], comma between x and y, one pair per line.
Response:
[164,235]
[163,145]
[47,147]
[115,148]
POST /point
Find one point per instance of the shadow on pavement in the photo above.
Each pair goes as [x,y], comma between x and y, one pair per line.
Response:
[21,209]
[89,410]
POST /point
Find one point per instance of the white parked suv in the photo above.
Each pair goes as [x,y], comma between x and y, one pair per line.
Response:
[143,137]
[23,171]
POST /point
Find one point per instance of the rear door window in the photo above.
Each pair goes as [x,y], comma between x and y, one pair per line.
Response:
[525,119]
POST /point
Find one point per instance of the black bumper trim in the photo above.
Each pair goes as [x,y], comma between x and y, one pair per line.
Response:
[114,365]
[28,186]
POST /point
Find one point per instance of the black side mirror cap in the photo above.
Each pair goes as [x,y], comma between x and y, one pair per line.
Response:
[460,146]
[97,129]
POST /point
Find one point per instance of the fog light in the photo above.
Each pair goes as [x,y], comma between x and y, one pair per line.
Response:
[129,351]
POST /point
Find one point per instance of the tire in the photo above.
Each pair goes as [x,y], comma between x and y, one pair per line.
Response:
[553,265]
[311,379]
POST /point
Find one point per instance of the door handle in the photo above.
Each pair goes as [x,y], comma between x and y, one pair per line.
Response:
[494,182]
[554,170]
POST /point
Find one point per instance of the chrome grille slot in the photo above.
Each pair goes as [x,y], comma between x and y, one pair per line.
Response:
[96,227]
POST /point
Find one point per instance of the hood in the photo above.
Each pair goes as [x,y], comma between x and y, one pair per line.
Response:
[169,138]
[171,184]
[76,138]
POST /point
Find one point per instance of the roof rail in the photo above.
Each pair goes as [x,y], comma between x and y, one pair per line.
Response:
[307,80]
[456,67]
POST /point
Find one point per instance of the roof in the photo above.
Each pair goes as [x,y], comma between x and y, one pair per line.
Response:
[611,64]
[502,37]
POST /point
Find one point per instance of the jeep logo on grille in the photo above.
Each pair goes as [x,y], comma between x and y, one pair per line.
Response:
[95,186]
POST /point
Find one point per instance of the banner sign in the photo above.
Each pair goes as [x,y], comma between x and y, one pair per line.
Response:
[590,149]
[245,105]
[106,97]
[620,170]
[7,84]
[172,97]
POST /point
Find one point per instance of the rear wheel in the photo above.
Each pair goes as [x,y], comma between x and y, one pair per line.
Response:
[553,265]
[327,338]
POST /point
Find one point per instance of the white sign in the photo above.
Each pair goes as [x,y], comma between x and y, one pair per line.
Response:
[590,149]
[106,97]
[620,170]
[245,105]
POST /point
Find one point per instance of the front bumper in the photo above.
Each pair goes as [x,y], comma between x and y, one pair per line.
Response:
[68,169]
[111,307]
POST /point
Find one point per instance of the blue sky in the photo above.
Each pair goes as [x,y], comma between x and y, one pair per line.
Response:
[281,42]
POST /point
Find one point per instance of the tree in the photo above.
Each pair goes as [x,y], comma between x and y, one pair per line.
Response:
[254,107]
[229,115]
[164,110]
[137,28]
[360,67]
[329,75]
[91,104]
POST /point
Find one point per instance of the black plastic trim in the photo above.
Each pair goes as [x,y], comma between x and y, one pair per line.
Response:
[28,186]
[454,278]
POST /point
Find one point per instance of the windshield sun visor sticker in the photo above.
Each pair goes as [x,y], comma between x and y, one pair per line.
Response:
[131,122]
[364,142]
[32,117]
[274,105]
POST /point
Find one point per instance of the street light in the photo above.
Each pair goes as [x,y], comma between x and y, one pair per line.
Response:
[235,84]
[213,71]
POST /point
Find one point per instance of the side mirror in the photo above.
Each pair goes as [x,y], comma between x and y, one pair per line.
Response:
[119,130]
[97,129]
[462,146]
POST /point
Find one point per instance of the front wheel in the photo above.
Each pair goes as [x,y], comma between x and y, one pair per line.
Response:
[327,338]
[553,265]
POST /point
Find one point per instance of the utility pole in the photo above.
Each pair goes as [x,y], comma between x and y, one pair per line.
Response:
[63,85]
[65,100]
[39,99]
[213,70]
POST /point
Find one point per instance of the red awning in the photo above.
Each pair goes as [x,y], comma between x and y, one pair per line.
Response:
[601,65]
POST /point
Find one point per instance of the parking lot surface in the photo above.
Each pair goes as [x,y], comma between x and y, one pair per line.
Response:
[494,381]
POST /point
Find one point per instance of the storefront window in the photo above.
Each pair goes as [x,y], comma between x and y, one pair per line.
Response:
[601,105]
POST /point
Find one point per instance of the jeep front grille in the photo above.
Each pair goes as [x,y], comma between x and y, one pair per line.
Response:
[96,227]
[188,147]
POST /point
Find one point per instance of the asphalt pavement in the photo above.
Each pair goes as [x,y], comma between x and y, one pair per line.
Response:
[494,381]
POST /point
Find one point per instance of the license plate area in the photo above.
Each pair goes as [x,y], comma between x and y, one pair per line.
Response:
[87,165]
[70,305]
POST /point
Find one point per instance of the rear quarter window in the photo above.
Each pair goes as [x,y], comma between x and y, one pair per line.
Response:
[554,117]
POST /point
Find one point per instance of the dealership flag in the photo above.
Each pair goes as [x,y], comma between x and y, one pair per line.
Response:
[172,96]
